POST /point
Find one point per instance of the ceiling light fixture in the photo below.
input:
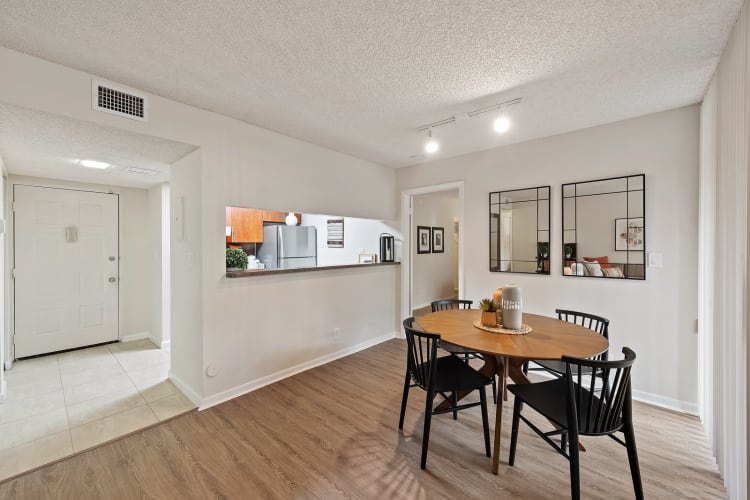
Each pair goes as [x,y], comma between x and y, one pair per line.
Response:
[94,164]
[290,219]
[431,145]
[502,124]
[463,116]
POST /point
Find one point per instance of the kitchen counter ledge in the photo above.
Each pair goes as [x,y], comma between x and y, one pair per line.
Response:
[264,272]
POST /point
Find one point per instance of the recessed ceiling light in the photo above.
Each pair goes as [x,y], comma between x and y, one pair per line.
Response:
[502,124]
[94,164]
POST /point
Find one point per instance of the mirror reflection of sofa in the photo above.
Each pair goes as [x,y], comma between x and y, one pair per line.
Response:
[602,267]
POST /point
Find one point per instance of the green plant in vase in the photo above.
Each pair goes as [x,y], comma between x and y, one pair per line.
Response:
[236,259]
[489,312]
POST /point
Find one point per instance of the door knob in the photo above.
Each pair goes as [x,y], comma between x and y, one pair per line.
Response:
[112,279]
[111,258]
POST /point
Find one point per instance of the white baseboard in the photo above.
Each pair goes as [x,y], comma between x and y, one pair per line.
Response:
[188,391]
[161,344]
[3,390]
[665,402]
[135,336]
[280,375]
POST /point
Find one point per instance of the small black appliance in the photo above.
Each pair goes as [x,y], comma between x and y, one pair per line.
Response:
[386,247]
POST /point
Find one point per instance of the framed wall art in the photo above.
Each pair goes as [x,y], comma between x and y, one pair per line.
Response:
[438,240]
[423,239]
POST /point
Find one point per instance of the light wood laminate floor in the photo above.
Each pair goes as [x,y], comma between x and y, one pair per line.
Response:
[332,432]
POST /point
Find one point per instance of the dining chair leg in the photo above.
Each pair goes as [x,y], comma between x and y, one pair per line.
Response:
[427,422]
[454,402]
[514,430]
[494,389]
[485,421]
[407,382]
[575,480]
[563,441]
[635,470]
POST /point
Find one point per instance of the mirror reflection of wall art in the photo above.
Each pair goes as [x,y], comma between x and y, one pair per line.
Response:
[588,210]
[629,234]
[423,239]
[438,240]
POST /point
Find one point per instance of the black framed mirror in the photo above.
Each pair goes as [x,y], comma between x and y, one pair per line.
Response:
[604,228]
[520,230]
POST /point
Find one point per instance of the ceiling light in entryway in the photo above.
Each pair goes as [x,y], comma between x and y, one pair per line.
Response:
[94,164]
[431,145]
[501,125]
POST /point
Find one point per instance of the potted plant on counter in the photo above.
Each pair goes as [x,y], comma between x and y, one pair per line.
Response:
[236,259]
[489,312]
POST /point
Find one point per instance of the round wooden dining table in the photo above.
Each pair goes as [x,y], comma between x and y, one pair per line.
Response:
[505,354]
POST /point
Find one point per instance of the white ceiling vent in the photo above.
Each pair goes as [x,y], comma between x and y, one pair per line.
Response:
[141,171]
[119,101]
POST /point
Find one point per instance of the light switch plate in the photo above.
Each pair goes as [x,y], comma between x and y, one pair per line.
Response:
[654,260]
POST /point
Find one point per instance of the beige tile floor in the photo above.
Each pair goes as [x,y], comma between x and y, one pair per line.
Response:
[61,404]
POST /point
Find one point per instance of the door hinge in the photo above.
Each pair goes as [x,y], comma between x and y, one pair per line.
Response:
[13,272]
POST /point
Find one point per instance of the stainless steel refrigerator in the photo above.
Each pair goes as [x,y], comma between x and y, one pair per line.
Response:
[289,247]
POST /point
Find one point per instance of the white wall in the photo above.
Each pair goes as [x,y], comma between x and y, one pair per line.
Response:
[725,161]
[654,317]
[158,223]
[135,246]
[3,283]
[360,236]
[433,275]
[166,265]
[186,280]
[240,165]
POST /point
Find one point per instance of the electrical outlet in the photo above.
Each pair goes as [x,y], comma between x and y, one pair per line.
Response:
[336,333]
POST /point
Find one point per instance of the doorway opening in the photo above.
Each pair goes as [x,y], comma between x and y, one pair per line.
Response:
[431,269]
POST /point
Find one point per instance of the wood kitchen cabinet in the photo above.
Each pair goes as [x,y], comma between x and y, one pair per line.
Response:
[246,225]
[276,216]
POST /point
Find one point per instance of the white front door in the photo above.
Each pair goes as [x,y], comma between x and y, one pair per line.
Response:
[66,269]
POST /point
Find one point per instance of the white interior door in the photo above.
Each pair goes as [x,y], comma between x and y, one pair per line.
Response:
[66,269]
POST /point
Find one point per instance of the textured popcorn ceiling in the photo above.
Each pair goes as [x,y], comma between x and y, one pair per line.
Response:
[45,145]
[361,76]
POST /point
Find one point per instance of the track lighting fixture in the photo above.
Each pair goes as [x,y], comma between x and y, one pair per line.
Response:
[431,145]
[502,124]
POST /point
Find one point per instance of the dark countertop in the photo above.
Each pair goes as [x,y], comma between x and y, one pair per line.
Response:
[265,272]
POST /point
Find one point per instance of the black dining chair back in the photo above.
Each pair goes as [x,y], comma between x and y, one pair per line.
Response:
[578,407]
[421,351]
[446,304]
[465,354]
[599,324]
[445,376]
[593,322]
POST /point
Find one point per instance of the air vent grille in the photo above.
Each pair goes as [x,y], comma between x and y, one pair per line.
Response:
[142,171]
[119,101]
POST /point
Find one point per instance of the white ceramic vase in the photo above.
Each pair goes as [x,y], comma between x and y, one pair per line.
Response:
[512,307]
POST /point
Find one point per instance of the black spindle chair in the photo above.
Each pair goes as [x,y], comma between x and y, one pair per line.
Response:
[439,375]
[571,402]
[465,354]
[593,322]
